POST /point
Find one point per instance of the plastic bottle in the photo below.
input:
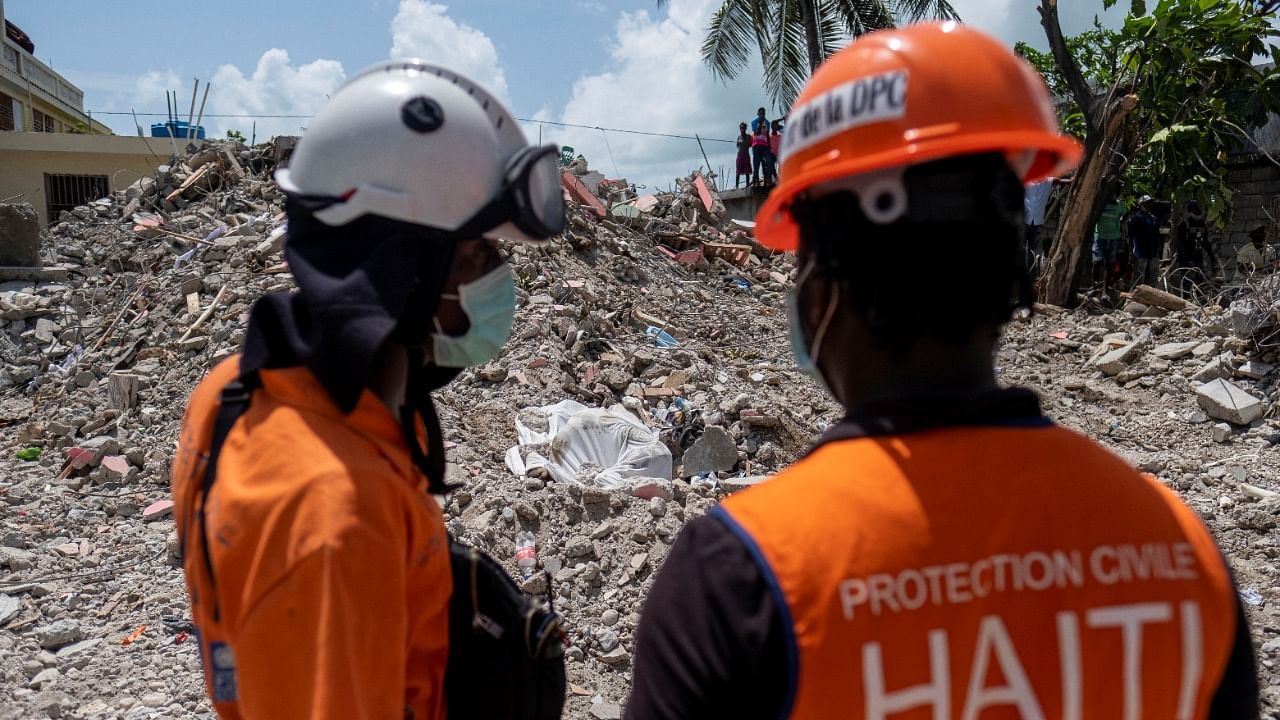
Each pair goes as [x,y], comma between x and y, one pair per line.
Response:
[526,553]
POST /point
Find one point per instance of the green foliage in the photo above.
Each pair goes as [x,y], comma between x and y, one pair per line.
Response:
[237,136]
[30,454]
[1190,62]
[790,35]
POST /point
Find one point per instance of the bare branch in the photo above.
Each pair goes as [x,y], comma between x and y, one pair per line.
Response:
[1067,64]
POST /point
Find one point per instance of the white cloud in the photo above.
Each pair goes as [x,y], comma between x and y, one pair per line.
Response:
[275,87]
[657,82]
[423,30]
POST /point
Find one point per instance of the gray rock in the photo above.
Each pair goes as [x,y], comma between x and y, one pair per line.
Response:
[1219,367]
[578,546]
[608,640]
[59,633]
[1225,401]
[48,676]
[616,656]
[715,451]
[9,608]
[74,649]
[1254,370]
[606,711]
[609,618]
[1115,361]
[1221,433]
[1174,351]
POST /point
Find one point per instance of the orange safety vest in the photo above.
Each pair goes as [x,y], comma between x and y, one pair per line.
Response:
[988,572]
[330,582]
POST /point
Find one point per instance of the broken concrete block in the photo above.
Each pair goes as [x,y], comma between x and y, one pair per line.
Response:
[157,510]
[1113,362]
[1174,351]
[59,633]
[715,451]
[1254,370]
[1225,401]
[19,235]
[10,606]
[1205,349]
[1219,367]
[1221,433]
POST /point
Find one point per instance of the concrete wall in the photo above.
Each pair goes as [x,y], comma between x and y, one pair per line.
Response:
[1256,183]
[742,204]
[25,158]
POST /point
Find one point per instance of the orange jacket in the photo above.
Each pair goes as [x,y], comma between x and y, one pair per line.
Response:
[1011,570]
[331,566]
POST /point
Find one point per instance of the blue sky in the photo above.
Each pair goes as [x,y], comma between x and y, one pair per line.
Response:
[607,63]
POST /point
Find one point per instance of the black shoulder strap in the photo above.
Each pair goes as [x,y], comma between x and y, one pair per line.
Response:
[232,403]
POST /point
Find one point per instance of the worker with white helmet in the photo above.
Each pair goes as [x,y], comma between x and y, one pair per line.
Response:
[316,557]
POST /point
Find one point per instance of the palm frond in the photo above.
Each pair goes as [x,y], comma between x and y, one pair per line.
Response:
[730,35]
[786,60]
[913,10]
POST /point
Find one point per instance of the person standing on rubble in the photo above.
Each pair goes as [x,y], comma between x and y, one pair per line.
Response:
[744,156]
[945,549]
[1108,244]
[759,150]
[1148,243]
[775,150]
[1190,242]
[314,551]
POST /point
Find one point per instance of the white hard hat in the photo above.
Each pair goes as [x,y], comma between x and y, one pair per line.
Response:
[417,143]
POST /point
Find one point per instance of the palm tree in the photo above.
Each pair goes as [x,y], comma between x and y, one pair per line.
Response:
[795,36]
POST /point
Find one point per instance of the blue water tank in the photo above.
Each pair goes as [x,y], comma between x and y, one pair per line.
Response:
[177,129]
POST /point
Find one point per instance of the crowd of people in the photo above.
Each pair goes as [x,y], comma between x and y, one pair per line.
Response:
[1145,244]
[759,145]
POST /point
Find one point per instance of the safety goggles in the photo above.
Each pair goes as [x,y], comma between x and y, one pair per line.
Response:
[531,199]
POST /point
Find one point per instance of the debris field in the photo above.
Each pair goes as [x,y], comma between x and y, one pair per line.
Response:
[666,318]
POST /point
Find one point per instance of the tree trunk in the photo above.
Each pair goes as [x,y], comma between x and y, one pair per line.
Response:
[1095,183]
[809,15]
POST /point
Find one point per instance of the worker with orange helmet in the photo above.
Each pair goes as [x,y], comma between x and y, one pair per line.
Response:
[945,550]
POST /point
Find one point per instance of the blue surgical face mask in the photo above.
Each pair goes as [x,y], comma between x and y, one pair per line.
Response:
[490,305]
[806,359]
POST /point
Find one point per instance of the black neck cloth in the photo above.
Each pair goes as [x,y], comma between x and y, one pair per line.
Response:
[360,285]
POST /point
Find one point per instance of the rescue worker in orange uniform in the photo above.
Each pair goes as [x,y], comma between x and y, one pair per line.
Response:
[315,555]
[945,551]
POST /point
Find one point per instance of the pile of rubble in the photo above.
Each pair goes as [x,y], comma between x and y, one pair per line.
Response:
[665,313]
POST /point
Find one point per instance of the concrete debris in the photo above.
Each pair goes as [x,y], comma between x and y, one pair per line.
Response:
[19,236]
[1226,401]
[668,315]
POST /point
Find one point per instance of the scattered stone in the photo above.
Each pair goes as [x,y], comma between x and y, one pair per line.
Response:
[606,711]
[9,608]
[157,510]
[58,633]
[44,678]
[1222,433]
[1115,361]
[715,451]
[609,618]
[1254,370]
[1224,401]
[1174,351]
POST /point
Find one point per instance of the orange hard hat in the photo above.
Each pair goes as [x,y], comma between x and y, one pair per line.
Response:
[896,98]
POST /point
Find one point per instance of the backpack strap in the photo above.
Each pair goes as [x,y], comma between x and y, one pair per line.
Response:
[232,403]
